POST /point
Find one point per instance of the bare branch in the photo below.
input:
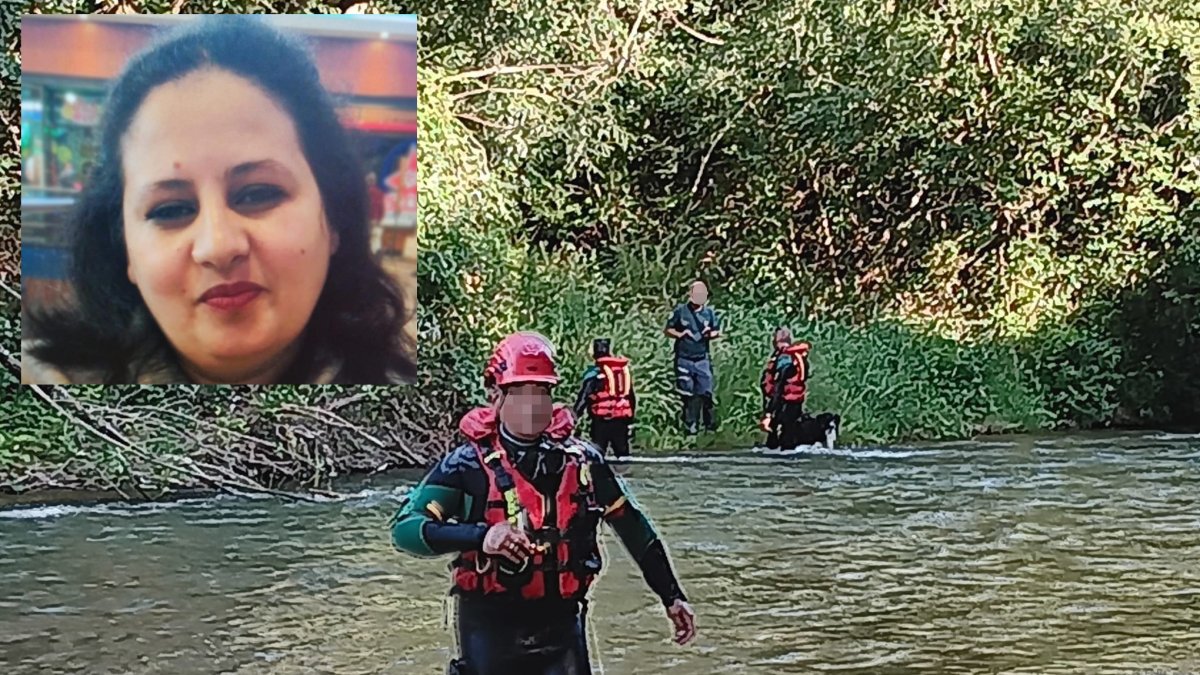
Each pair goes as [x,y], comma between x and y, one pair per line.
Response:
[627,49]
[717,139]
[115,438]
[483,122]
[569,70]
[505,90]
[695,33]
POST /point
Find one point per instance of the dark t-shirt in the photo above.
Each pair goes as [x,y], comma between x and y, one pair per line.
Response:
[694,347]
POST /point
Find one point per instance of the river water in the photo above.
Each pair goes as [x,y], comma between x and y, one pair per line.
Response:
[1075,554]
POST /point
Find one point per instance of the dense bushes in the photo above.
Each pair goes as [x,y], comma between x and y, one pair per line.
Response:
[1013,178]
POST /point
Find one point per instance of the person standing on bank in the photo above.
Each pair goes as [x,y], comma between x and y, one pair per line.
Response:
[608,397]
[519,505]
[693,325]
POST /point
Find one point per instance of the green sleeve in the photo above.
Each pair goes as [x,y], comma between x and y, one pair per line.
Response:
[428,504]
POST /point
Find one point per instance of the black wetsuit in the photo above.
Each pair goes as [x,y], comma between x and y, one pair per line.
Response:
[502,635]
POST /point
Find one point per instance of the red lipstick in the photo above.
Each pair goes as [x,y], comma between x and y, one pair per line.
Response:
[231,296]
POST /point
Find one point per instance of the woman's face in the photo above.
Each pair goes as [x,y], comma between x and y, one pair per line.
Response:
[224,226]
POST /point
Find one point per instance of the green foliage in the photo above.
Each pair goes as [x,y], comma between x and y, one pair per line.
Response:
[889,382]
[1012,178]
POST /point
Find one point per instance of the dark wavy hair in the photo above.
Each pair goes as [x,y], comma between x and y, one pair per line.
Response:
[360,315]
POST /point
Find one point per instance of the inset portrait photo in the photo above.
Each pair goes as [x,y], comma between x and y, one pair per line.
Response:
[218,199]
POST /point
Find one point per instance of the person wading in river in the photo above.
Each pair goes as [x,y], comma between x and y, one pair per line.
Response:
[784,386]
[519,505]
[693,325]
[608,397]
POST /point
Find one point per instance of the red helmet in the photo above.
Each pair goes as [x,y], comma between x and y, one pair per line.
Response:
[521,357]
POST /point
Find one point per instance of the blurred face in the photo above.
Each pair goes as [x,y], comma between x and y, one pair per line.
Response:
[224,225]
[526,410]
[699,294]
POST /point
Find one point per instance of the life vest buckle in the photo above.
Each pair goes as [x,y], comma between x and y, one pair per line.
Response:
[546,538]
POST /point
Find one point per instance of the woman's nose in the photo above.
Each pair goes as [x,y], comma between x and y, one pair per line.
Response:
[221,239]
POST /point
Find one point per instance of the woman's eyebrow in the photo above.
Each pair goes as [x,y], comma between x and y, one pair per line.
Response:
[169,184]
[248,167]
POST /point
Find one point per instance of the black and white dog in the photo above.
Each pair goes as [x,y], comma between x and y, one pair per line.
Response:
[820,429]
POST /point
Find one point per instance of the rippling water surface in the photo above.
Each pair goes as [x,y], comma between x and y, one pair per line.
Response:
[1061,555]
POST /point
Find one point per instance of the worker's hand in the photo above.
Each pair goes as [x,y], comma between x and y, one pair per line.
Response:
[765,423]
[684,619]
[502,539]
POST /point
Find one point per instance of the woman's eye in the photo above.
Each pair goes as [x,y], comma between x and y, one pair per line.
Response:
[171,212]
[258,196]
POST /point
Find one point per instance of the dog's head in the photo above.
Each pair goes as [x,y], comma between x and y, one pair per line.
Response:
[829,423]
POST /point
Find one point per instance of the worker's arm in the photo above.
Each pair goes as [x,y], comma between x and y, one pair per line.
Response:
[635,531]
[633,403]
[429,523]
[714,331]
[591,382]
[675,326]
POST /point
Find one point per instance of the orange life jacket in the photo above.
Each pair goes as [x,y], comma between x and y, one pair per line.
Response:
[796,388]
[570,557]
[612,402]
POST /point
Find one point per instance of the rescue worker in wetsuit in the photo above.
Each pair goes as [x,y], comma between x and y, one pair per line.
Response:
[519,504]
[784,385]
[608,397]
[693,325]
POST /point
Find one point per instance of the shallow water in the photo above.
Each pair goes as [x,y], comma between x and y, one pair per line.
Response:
[1022,555]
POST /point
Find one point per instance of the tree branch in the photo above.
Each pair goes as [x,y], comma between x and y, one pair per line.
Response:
[482,122]
[116,438]
[504,90]
[572,70]
[717,139]
[695,33]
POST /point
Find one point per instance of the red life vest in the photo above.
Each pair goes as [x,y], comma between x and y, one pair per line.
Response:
[796,388]
[570,559]
[612,402]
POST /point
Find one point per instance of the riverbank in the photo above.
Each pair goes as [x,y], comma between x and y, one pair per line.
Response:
[892,381]
[146,443]
[355,483]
